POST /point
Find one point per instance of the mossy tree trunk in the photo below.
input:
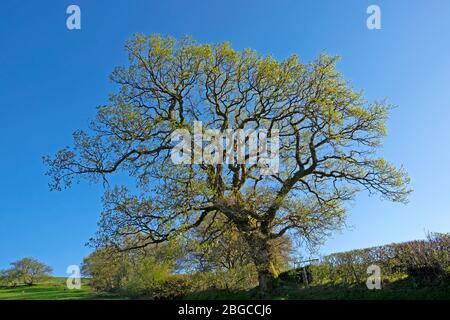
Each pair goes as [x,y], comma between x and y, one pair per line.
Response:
[262,256]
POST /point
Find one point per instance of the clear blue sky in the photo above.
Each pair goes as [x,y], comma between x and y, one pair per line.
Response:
[51,80]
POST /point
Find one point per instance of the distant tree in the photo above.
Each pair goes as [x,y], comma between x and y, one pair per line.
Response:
[9,277]
[30,270]
[329,136]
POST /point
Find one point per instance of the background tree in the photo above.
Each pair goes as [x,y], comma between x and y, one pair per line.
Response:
[329,137]
[30,270]
[106,268]
[131,272]
[9,277]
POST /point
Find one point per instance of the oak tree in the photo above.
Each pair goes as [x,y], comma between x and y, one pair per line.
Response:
[329,135]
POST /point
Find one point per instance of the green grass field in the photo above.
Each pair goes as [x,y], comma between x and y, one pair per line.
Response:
[53,289]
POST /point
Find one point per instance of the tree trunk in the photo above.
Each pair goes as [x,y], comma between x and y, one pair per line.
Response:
[266,281]
[262,258]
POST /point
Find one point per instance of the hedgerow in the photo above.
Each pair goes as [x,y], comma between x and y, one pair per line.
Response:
[421,260]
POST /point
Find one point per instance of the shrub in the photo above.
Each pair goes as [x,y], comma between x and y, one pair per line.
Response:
[244,277]
[142,277]
[296,276]
[174,287]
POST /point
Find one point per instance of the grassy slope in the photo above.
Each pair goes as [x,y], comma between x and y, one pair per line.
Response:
[52,289]
[55,289]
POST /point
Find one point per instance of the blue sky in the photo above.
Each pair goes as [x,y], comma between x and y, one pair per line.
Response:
[51,80]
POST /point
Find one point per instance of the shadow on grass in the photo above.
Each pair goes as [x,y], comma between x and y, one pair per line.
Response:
[398,289]
[401,289]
